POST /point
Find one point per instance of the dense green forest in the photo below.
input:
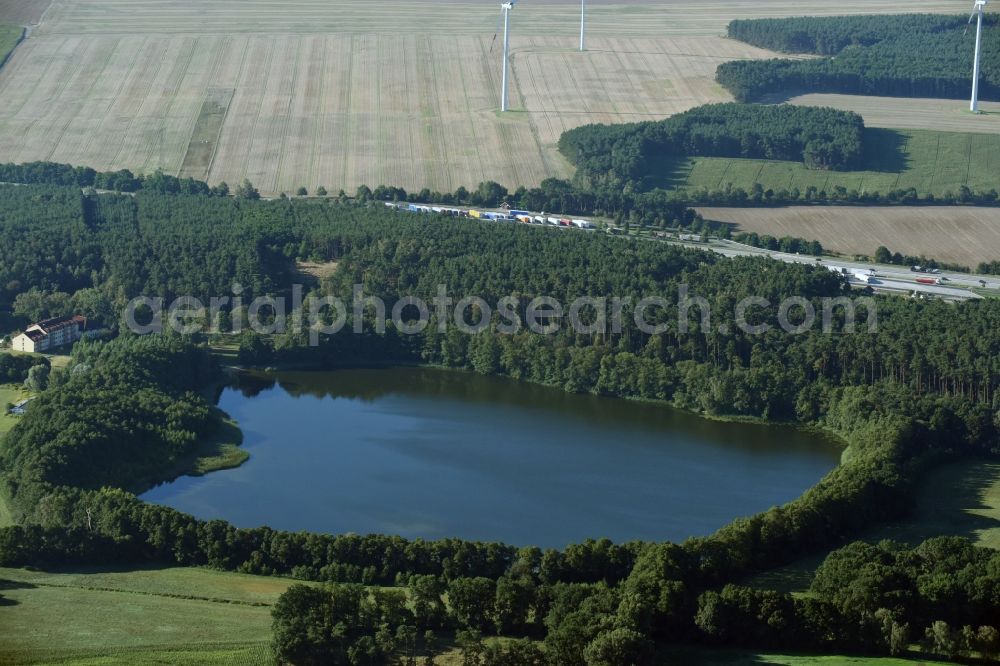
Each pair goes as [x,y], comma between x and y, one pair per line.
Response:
[908,55]
[617,154]
[918,389]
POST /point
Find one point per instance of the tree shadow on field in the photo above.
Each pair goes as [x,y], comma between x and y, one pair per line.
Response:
[665,171]
[711,656]
[885,150]
[12,585]
[114,568]
[950,503]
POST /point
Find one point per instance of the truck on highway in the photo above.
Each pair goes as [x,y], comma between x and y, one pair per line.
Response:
[862,276]
[927,280]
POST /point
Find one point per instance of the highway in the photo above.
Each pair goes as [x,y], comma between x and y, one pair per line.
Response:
[886,278]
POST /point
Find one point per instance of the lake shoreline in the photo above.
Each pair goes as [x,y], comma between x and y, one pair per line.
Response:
[428,452]
[306,366]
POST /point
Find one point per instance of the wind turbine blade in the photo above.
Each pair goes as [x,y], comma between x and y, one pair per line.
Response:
[971,17]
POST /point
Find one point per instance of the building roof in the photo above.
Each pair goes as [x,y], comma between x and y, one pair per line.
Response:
[35,336]
[57,323]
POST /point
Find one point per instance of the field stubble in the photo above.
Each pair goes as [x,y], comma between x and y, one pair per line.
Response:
[962,235]
[349,92]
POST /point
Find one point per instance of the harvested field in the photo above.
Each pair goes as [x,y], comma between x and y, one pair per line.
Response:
[950,115]
[963,235]
[608,18]
[336,110]
[347,92]
[22,12]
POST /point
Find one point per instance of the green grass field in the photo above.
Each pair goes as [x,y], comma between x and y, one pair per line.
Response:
[10,35]
[698,657]
[929,161]
[153,616]
[958,499]
[9,393]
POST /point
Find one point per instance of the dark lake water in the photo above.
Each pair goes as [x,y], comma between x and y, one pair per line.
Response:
[437,453]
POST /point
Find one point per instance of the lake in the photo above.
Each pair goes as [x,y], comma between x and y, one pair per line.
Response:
[438,453]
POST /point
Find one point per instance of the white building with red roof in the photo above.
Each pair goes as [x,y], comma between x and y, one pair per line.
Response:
[50,334]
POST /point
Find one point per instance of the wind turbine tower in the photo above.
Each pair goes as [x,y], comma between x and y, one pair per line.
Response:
[506,6]
[977,13]
[583,25]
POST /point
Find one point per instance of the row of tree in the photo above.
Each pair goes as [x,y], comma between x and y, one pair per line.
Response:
[788,244]
[874,598]
[884,255]
[989,268]
[909,55]
[822,138]
[51,173]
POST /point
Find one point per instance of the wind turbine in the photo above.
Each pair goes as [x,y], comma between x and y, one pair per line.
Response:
[506,6]
[977,13]
[583,25]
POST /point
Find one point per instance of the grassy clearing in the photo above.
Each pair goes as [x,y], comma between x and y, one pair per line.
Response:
[136,617]
[205,138]
[58,359]
[960,499]
[316,271]
[9,393]
[183,583]
[258,654]
[928,161]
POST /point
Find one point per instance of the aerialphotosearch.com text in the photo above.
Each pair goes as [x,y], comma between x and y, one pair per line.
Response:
[410,315]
